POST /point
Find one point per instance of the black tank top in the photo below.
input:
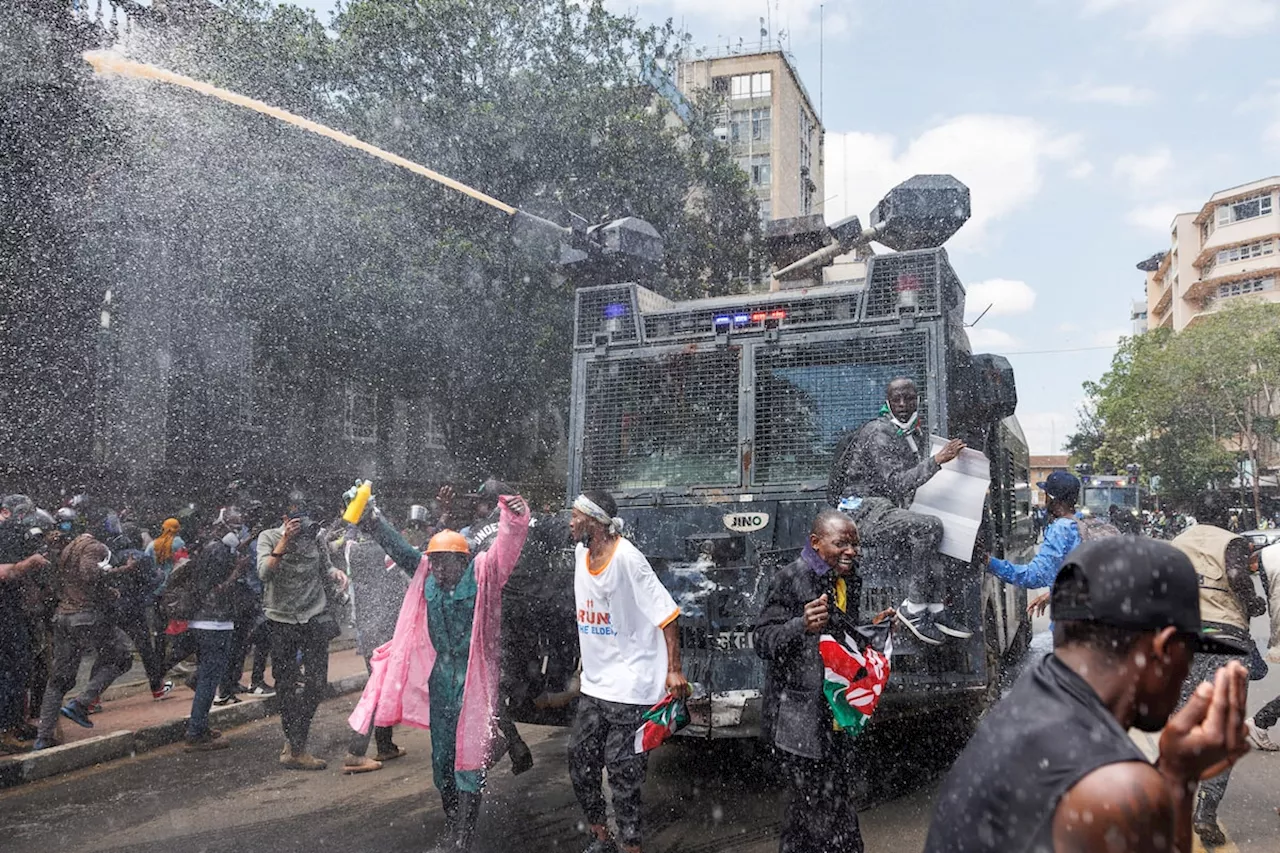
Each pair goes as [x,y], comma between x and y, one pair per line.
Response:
[1046,735]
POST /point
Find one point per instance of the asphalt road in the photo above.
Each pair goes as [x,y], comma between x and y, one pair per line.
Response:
[699,799]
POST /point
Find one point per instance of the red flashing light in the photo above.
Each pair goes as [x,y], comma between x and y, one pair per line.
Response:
[759,317]
[777,315]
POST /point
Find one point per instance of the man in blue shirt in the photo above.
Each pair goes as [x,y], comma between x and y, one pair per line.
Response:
[1060,537]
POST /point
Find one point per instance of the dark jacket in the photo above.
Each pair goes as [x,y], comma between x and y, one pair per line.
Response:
[213,568]
[795,715]
[876,462]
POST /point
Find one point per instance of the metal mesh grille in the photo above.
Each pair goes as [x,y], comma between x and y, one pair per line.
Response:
[666,420]
[606,309]
[807,395]
[905,271]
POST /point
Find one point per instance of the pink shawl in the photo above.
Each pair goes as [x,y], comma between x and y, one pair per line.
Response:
[397,694]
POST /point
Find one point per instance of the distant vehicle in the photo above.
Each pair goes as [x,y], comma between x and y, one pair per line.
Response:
[1102,491]
[713,422]
[1259,539]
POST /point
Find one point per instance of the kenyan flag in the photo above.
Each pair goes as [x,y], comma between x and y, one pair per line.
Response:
[855,673]
[661,722]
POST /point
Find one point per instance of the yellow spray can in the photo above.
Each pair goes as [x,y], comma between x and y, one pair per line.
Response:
[355,509]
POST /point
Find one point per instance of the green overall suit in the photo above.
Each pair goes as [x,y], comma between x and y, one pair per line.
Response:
[450,615]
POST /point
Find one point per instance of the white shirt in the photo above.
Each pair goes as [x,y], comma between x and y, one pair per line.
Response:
[621,611]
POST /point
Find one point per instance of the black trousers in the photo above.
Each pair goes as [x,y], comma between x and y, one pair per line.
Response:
[603,738]
[301,655]
[882,524]
[135,627]
[820,817]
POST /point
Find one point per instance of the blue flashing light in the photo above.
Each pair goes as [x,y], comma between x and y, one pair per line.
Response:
[615,310]
[741,319]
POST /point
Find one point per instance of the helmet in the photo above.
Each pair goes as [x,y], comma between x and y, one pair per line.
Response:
[448,541]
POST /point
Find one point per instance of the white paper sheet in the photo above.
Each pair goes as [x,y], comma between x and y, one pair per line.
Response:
[956,494]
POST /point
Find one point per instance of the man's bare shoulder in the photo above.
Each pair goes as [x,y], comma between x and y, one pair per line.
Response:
[1123,807]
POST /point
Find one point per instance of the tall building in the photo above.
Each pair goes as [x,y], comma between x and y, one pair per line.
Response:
[769,123]
[1229,248]
[1138,316]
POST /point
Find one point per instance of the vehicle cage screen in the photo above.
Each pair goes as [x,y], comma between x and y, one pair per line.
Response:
[664,420]
[807,395]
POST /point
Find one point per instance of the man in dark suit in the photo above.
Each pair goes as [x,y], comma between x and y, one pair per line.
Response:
[805,598]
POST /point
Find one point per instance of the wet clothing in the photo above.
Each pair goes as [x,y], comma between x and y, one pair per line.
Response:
[377,591]
[622,611]
[75,636]
[81,585]
[1211,791]
[881,461]
[880,467]
[603,738]
[1047,734]
[1060,539]
[300,655]
[450,688]
[817,760]
[1223,600]
[15,639]
[293,591]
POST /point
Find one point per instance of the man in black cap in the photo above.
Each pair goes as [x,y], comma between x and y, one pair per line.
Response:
[1052,767]
[1060,537]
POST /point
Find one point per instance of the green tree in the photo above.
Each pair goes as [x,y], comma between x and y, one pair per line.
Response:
[1187,406]
[347,261]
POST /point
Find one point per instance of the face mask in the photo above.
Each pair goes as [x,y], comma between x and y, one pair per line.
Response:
[64,526]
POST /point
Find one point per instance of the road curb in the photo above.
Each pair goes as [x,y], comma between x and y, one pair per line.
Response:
[30,767]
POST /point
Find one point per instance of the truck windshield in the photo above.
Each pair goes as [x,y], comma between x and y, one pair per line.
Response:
[1099,499]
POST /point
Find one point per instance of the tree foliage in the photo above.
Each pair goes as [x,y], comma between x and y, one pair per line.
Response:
[1189,407]
[344,260]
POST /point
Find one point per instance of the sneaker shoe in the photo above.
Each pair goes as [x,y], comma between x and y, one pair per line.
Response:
[947,625]
[10,743]
[240,688]
[1211,835]
[1259,737]
[302,761]
[42,744]
[206,742]
[392,754]
[163,692]
[360,764]
[26,731]
[521,758]
[76,714]
[229,699]
[922,626]
[261,690]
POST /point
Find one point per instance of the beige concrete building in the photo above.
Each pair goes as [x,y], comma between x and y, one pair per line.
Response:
[1041,468]
[1229,248]
[769,123]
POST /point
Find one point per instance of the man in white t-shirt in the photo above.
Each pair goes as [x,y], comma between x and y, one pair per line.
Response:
[630,660]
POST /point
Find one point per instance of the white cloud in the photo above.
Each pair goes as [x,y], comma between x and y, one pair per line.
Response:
[983,339]
[1143,170]
[1158,216]
[1080,170]
[1116,94]
[1001,158]
[1005,296]
[1177,21]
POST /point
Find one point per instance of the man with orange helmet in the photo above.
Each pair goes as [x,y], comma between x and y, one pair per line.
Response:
[441,669]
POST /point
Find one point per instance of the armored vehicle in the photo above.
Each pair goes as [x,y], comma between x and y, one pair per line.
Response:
[713,421]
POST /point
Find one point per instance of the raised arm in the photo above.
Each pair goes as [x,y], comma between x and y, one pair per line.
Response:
[1059,539]
[513,527]
[397,547]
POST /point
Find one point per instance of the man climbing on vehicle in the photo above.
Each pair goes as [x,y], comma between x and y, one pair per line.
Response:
[874,479]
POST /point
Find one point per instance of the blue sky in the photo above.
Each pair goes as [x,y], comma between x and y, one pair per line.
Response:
[1081,127]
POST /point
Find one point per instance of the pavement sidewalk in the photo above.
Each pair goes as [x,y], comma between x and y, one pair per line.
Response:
[132,722]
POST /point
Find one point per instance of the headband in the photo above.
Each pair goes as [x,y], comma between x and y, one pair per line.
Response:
[585,505]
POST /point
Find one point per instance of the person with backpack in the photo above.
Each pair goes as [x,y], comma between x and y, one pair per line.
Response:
[1063,534]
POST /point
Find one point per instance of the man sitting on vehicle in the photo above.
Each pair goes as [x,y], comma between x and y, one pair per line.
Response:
[874,478]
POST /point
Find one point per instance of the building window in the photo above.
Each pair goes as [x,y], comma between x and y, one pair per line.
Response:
[761,124]
[359,414]
[1245,252]
[766,209]
[1247,208]
[433,433]
[1248,285]
[760,170]
[758,85]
